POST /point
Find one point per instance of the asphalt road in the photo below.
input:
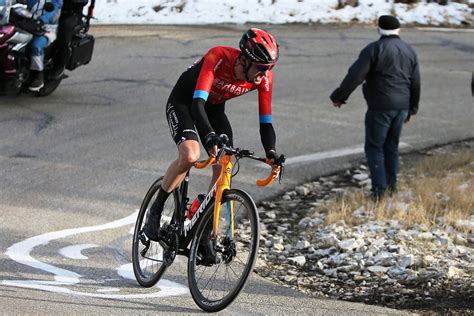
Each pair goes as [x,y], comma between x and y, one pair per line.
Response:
[75,166]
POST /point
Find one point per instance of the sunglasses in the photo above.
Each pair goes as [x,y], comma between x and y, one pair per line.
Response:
[264,67]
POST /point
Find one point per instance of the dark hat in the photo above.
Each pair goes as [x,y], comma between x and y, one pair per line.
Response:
[388,22]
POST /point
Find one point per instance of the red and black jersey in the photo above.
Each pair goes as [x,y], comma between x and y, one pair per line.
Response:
[210,82]
[212,78]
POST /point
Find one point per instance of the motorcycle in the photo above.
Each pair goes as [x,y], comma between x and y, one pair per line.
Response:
[17,32]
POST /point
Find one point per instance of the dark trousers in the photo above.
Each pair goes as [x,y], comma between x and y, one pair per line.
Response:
[69,24]
[382,135]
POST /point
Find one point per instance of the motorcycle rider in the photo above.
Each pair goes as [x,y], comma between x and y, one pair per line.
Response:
[69,22]
[49,20]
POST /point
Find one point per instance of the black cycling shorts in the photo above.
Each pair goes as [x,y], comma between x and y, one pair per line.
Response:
[181,123]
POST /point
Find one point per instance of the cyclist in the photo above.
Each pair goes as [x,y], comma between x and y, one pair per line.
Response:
[198,100]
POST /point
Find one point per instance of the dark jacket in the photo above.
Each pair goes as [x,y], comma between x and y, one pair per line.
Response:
[390,69]
[74,6]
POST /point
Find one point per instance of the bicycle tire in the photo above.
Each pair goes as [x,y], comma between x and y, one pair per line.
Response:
[148,266]
[239,257]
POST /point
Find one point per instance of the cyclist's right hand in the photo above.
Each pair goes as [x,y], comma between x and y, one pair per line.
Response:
[210,143]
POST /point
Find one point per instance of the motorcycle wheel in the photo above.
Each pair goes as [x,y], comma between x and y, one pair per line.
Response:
[49,87]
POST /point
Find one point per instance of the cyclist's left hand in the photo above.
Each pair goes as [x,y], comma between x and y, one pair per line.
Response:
[274,159]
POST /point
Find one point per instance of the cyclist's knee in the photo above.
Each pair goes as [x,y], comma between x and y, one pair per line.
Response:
[188,153]
[188,160]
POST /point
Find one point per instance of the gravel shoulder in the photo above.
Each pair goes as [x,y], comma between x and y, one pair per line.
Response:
[375,262]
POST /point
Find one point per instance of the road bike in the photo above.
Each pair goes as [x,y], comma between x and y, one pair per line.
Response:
[227,221]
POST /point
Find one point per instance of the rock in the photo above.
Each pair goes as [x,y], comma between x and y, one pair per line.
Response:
[328,241]
[425,236]
[360,177]
[302,244]
[350,244]
[347,268]
[322,252]
[377,269]
[302,190]
[278,247]
[304,222]
[277,239]
[396,271]
[320,265]
[459,240]
[270,214]
[379,242]
[465,224]
[299,261]
[290,279]
[407,261]
[338,191]
[454,272]
[427,260]
[330,272]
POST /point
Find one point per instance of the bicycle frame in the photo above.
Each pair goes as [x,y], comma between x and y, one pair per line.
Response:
[223,183]
[185,230]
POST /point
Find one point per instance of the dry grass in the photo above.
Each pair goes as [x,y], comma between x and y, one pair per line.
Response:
[439,190]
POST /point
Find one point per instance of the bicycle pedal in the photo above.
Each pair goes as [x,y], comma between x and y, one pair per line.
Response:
[145,242]
[168,257]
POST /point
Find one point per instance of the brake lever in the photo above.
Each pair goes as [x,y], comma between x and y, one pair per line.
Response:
[280,176]
[281,162]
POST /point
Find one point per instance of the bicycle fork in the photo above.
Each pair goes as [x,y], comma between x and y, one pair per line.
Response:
[224,184]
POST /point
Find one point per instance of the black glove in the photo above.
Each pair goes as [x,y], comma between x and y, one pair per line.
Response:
[272,155]
[39,24]
[32,26]
[211,140]
[276,159]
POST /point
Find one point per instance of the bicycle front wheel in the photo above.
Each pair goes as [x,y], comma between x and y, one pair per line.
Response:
[215,284]
[148,257]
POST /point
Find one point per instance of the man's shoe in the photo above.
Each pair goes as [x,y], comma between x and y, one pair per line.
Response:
[38,81]
[377,196]
[392,190]
[207,254]
[152,225]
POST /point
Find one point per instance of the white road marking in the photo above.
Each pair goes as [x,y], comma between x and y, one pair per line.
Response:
[328,155]
[74,251]
[20,252]
[109,289]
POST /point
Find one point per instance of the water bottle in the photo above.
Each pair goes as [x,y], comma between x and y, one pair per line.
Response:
[195,205]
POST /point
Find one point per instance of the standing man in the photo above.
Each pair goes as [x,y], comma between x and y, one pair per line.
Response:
[391,73]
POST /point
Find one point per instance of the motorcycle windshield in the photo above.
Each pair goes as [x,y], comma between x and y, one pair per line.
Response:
[5,6]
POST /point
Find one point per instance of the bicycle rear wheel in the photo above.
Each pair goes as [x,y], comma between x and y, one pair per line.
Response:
[214,286]
[149,258]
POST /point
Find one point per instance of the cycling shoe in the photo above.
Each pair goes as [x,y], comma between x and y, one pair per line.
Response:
[206,254]
[152,225]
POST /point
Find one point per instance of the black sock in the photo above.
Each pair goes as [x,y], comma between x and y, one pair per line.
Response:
[160,201]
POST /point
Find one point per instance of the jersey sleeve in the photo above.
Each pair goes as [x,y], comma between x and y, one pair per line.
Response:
[206,76]
[265,99]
